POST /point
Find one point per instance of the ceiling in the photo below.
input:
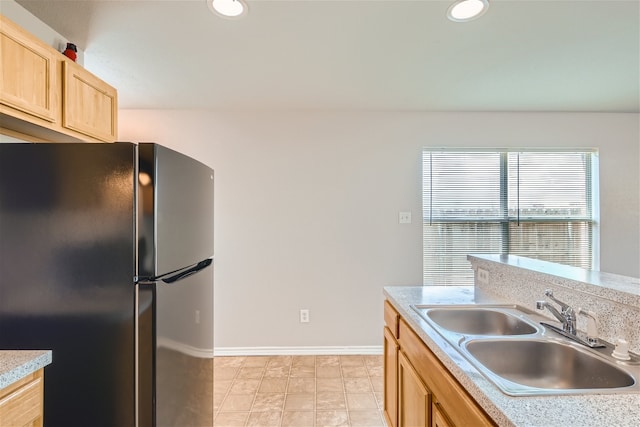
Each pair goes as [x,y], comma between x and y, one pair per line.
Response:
[576,55]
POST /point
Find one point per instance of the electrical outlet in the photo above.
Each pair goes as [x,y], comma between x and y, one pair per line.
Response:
[304,315]
[482,276]
[197,317]
[404,217]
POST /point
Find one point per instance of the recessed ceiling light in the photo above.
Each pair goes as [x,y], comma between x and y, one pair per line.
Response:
[467,10]
[228,8]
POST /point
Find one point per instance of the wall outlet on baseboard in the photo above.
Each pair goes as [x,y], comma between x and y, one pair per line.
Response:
[482,276]
[304,315]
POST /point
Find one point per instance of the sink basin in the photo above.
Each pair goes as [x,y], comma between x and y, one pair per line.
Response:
[479,321]
[522,359]
[536,366]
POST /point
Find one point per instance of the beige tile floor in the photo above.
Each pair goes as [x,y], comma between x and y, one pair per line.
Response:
[309,391]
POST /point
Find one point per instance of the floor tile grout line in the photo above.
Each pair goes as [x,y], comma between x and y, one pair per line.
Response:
[228,392]
[286,391]
[255,396]
[373,390]
[344,387]
[315,388]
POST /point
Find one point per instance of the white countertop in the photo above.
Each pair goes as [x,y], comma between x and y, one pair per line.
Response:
[566,410]
[17,364]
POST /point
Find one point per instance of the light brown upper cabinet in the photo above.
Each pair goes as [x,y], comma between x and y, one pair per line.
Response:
[46,95]
[90,105]
[29,80]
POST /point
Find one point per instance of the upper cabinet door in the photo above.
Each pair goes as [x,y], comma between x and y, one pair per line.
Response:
[28,73]
[90,105]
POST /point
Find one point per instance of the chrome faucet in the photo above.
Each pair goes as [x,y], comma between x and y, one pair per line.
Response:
[567,316]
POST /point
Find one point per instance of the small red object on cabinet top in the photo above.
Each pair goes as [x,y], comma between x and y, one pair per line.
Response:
[70,51]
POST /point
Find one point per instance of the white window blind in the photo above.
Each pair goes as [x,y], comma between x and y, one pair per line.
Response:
[530,203]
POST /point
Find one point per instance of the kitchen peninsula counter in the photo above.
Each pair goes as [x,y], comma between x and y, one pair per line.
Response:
[17,364]
[568,410]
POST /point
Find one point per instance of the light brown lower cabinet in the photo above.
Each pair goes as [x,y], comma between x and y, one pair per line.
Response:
[21,403]
[414,399]
[390,363]
[438,419]
[391,353]
[419,390]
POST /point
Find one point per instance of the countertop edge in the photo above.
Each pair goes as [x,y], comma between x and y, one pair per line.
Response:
[17,364]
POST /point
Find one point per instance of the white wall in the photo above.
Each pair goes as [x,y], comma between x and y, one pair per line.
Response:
[307,203]
[307,206]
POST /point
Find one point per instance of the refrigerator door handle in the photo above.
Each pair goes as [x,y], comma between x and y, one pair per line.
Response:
[175,275]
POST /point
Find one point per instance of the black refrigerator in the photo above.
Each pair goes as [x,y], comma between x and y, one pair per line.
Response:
[105,259]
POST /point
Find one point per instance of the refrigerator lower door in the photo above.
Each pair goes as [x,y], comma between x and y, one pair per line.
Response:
[146,356]
[184,369]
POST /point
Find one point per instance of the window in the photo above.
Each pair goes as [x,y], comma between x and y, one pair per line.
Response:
[538,204]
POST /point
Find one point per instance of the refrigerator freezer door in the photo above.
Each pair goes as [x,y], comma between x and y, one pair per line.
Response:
[176,210]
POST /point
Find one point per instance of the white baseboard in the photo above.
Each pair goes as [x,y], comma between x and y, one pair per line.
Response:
[286,351]
[206,353]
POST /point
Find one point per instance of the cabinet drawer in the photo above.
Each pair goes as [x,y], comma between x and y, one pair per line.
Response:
[391,318]
[461,408]
[21,404]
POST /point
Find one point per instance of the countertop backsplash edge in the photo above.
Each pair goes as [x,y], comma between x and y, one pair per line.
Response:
[618,311]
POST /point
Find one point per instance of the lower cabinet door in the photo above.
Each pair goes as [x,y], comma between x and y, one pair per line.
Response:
[438,418]
[391,350]
[21,403]
[414,399]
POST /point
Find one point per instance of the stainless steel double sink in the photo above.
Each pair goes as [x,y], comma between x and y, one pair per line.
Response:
[523,358]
